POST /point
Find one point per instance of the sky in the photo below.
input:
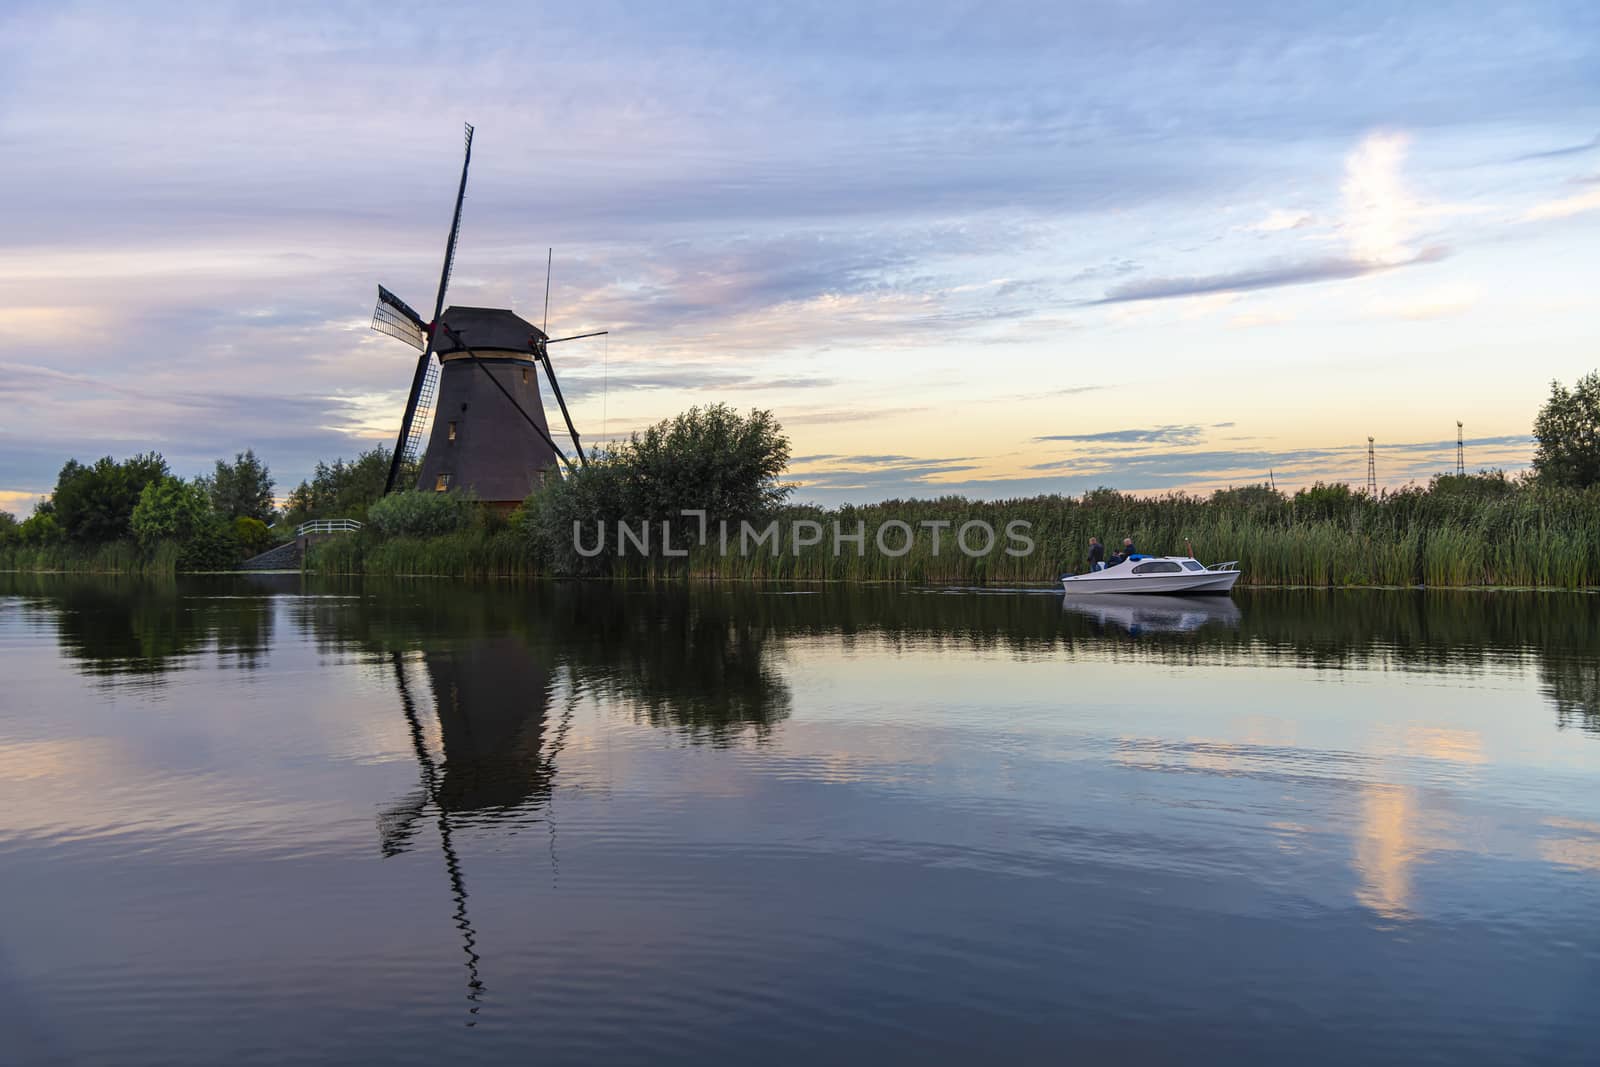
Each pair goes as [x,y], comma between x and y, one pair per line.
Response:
[983,249]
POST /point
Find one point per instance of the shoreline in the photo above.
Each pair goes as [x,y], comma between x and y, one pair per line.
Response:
[1017,587]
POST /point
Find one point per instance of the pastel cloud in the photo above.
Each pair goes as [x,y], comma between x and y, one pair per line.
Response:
[1167,435]
[1564,207]
[1380,212]
[892,215]
[1281,219]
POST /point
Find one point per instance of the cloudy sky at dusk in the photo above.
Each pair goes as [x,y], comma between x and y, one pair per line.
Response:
[954,247]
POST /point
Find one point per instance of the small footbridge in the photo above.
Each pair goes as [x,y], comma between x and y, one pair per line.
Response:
[292,556]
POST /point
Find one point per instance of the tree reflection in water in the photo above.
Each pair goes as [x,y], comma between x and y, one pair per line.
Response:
[702,660]
[476,669]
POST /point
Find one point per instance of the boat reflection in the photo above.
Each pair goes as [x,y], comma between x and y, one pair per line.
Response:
[1142,614]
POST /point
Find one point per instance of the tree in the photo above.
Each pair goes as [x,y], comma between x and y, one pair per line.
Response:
[1476,488]
[94,504]
[1568,431]
[341,490]
[41,527]
[8,528]
[1324,502]
[241,489]
[1244,497]
[710,459]
[170,510]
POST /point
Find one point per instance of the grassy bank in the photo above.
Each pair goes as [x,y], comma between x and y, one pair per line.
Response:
[116,557]
[1478,532]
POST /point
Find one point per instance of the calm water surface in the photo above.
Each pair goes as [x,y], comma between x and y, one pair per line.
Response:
[251,822]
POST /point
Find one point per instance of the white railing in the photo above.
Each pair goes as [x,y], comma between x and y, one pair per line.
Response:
[1231,565]
[327,526]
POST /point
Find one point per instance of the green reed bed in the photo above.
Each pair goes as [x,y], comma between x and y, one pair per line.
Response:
[1485,532]
[472,553]
[1521,536]
[116,557]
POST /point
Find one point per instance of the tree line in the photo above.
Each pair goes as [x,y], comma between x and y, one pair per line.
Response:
[730,466]
[210,522]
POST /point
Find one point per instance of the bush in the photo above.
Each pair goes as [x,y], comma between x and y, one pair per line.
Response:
[211,547]
[1324,502]
[253,535]
[169,510]
[418,514]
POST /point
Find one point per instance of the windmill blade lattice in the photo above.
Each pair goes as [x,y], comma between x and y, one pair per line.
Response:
[422,417]
[394,317]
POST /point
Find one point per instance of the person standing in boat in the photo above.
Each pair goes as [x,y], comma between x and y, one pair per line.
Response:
[1097,555]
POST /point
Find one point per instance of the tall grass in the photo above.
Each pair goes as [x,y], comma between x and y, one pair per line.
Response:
[473,553]
[116,557]
[1513,536]
[1458,532]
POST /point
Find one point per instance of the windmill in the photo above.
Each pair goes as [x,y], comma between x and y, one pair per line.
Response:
[476,377]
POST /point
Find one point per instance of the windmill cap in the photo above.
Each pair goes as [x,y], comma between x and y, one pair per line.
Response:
[487,330]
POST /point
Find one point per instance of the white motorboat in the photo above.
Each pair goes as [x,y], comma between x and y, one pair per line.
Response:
[1156,574]
[1151,614]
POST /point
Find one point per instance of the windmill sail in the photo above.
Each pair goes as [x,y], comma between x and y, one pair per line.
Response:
[394,317]
[427,372]
[421,418]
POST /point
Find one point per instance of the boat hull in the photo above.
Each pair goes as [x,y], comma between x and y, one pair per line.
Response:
[1217,583]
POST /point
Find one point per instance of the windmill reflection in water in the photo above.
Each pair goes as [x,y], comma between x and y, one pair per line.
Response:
[491,697]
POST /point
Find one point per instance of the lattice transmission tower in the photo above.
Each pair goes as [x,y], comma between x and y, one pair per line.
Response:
[1372,469]
[1461,451]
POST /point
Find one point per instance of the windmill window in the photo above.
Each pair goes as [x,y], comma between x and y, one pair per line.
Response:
[452,432]
[441,483]
[524,375]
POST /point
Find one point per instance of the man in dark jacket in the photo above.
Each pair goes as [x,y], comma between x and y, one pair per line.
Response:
[1097,555]
[1127,551]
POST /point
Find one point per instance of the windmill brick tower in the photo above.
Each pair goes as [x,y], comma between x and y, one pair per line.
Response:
[489,431]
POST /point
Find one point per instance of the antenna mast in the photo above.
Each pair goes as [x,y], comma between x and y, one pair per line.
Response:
[1461,451]
[1372,469]
[549,259]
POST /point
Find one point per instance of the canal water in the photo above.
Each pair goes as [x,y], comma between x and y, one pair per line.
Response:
[268,820]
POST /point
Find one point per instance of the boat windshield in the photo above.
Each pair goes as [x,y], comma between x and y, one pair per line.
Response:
[1192,565]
